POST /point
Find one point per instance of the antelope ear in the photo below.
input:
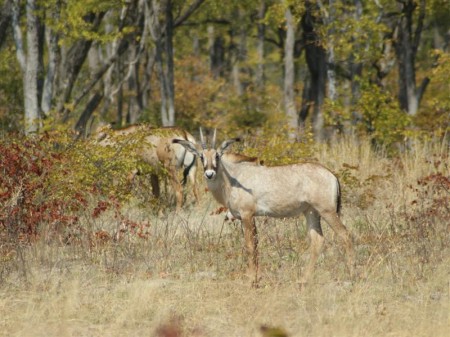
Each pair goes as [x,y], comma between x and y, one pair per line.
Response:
[227,143]
[187,145]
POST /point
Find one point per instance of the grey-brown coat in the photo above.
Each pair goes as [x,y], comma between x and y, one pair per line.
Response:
[156,148]
[250,190]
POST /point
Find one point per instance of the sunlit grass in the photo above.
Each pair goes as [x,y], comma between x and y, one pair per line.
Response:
[186,274]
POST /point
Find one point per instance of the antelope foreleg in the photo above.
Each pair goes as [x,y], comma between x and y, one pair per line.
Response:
[177,187]
[251,244]
[193,178]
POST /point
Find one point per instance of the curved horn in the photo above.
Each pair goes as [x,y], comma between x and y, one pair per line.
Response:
[202,140]
[213,143]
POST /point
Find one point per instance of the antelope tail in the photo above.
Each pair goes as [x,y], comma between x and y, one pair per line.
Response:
[339,198]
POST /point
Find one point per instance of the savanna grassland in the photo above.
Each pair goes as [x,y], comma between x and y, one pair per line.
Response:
[142,272]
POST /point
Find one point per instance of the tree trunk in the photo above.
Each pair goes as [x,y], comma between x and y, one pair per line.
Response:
[169,64]
[331,74]
[121,48]
[5,19]
[134,107]
[32,112]
[52,39]
[75,59]
[259,76]
[216,53]
[238,52]
[163,52]
[18,38]
[145,91]
[406,45]
[356,71]
[316,61]
[289,74]
[81,124]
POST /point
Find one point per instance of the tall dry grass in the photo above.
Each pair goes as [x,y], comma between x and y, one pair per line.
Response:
[184,276]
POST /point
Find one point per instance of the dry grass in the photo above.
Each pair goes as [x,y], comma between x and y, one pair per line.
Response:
[185,279]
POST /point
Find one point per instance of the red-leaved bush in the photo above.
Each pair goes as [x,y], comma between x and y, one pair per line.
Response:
[25,198]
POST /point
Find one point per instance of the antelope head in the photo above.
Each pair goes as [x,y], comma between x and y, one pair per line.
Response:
[210,157]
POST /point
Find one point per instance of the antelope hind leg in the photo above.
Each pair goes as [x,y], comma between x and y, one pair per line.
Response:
[316,237]
[332,218]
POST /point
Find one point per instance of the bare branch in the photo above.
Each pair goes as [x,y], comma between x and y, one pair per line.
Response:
[192,8]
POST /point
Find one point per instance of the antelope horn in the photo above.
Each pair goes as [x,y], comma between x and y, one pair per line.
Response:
[213,143]
[202,140]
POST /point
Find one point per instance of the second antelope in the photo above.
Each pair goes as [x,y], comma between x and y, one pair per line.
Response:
[250,190]
[155,147]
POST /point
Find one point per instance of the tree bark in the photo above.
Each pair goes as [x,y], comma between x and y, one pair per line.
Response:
[5,19]
[169,64]
[32,111]
[238,52]
[75,59]
[316,61]
[289,74]
[406,45]
[216,53]
[52,39]
[18,37]
[259,76]
[80,126]
[134,107]
[121,48]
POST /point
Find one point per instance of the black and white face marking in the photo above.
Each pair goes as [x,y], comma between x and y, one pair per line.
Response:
[210,160]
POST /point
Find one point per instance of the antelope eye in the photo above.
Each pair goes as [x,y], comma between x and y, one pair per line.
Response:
[217,157]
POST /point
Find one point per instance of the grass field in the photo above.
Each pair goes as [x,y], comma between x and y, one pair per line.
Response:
[185,276]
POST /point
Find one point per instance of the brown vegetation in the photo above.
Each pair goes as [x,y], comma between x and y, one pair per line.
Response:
[125,271]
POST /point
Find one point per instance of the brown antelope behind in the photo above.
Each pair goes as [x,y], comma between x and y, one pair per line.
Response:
[155,147]
[248,189]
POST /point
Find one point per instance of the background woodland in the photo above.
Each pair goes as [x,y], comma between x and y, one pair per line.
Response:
[361,86]
[377,68]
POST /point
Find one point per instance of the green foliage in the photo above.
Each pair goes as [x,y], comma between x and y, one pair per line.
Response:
[11,90]
[208,102]
[275,14]
[434,115]
[196,94]
[274,146]
[71,22]
[352,36]
[53,180]
[378,116]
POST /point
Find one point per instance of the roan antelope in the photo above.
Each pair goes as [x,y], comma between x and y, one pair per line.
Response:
[155,147]
[248,189]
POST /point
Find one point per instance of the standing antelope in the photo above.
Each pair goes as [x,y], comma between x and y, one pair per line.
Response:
[248,190]
[155,147]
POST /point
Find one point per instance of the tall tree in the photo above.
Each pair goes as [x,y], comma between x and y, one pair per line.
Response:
[5,19]
[261,34]
[28,58]
[407,40]
[161,25]
[316,60]
[289,72]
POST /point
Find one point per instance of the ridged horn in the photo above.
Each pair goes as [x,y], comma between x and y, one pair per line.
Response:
[213,143]
[202,140]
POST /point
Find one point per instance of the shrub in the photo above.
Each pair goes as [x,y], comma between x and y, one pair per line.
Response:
[52,180]
[26,198]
